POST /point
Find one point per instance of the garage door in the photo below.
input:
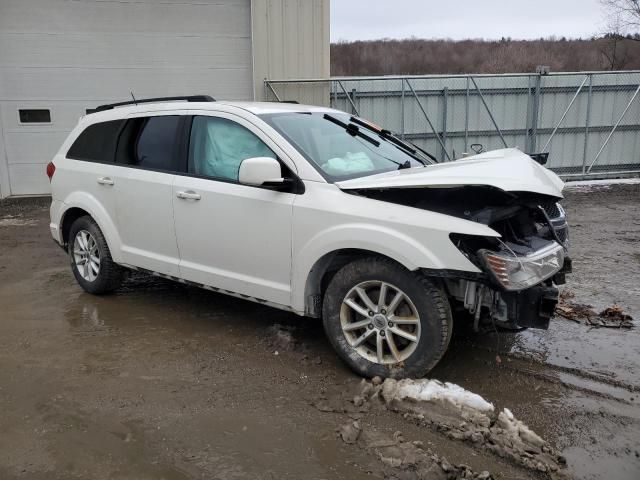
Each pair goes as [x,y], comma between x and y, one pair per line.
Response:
[58,58]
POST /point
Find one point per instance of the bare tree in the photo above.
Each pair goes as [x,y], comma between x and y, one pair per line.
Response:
[613,46]
[624,12]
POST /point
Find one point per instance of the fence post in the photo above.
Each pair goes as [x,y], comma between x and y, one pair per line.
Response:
[353,101]
[349,99]
[527,127]
[534,115]
[466,118]
[445,100]
[587,124]
[402,111]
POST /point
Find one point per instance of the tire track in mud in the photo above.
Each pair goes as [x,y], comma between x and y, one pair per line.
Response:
[531,359]
[591,418]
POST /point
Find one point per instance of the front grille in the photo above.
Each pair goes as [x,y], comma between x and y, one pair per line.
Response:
[563,233]
[551,209]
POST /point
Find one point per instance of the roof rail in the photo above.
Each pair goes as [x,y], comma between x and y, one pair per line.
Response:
[188,98]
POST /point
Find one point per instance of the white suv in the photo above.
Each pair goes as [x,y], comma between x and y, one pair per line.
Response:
[313,211]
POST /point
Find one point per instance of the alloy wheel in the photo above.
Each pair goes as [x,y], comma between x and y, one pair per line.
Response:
[86,255]
[380,322]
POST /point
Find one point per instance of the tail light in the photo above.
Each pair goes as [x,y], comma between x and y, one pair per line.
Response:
[51,169]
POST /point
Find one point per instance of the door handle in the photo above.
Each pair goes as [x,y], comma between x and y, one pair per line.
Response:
[188,195]
[105,181]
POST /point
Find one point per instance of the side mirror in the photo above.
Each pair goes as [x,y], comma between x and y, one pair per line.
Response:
[260,171]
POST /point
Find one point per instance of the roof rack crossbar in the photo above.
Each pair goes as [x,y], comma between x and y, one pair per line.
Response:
[188,98]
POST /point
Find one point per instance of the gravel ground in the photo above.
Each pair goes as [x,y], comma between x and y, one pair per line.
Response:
[162,381]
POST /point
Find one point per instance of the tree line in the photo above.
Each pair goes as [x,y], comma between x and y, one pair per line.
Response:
[612,51]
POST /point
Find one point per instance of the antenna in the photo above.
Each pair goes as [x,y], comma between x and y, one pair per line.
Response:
[134,99]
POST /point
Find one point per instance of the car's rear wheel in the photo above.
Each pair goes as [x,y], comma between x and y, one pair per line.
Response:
[91,261]
[385,320]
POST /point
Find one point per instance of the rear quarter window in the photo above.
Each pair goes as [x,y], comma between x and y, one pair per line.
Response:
[97,143]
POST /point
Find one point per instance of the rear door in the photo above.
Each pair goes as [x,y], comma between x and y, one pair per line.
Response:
[148,157]
[232,236]
[89,167]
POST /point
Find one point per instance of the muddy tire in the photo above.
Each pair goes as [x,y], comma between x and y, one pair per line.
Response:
[384,320]
[90,258]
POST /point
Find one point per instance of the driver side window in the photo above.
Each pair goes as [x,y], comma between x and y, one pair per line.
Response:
[218,146]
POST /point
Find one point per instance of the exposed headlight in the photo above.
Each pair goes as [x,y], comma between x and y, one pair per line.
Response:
[520,272]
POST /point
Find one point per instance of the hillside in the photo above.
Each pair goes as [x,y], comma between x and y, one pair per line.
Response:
[415,56]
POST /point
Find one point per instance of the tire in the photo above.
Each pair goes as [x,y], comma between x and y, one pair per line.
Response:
[85,236]
[423,340]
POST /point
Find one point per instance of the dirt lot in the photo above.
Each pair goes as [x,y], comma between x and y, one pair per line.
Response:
[162,381]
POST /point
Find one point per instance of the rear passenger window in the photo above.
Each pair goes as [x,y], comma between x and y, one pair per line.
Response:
[97,143]
[155,147]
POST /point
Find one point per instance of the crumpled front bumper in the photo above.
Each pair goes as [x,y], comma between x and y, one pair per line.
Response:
[531,308]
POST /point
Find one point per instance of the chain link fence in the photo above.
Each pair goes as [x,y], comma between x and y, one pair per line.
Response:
[588,122]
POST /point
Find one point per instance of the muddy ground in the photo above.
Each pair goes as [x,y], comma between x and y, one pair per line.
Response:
[161,381]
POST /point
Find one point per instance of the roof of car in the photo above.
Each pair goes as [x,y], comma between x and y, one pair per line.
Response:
[257,108]
[272,107]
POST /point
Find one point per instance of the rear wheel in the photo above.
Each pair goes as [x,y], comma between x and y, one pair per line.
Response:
[90,258]
[385,320]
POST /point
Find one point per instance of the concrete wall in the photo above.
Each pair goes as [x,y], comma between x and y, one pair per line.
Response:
[290,40]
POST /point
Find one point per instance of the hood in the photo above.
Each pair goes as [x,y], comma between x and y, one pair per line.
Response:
[508,169]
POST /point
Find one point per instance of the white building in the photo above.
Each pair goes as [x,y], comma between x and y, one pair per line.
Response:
[59,58]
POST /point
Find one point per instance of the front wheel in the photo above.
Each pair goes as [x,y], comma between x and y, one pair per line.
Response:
[90,258]
[386,321]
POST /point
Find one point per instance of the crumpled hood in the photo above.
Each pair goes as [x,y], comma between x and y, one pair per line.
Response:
[507,169]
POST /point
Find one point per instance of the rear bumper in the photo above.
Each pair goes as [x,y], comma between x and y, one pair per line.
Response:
[55,212]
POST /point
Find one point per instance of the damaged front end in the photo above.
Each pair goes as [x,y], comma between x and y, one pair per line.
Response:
[519,270]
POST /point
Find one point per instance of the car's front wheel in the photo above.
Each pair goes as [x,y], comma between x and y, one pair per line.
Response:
[90,258]
[385,320]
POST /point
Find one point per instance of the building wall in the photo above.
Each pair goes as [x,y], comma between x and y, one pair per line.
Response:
[68,56]
[290,40]
[4,174]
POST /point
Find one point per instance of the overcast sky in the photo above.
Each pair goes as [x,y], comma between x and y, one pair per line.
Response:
[460,19]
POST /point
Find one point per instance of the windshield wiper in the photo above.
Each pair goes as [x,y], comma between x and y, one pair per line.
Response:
[352,130]
[423,151]
[409,148]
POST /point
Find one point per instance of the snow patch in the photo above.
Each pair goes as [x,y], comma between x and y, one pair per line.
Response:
[430,390]
[595,184]
[16,222]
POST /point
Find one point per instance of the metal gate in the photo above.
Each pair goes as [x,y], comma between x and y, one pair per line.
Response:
[589,122]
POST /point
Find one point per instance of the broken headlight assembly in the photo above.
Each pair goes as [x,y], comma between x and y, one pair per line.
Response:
[518,272]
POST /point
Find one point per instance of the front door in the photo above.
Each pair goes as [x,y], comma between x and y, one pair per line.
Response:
[231,236]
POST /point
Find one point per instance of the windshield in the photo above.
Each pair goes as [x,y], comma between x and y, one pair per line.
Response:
[339,148]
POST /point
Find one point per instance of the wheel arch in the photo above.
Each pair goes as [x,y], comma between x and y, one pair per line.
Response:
[323,270]
[313,258]
[81,204]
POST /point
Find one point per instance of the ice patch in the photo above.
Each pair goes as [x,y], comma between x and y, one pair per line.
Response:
[430,390]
